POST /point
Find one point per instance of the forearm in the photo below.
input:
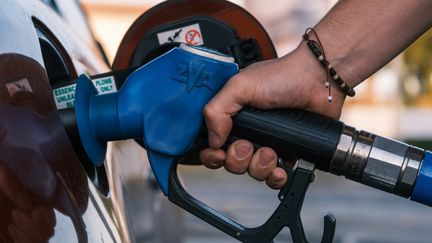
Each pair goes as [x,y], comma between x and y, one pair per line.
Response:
[359,37]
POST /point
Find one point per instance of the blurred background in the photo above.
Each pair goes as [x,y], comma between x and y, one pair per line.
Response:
[395,102]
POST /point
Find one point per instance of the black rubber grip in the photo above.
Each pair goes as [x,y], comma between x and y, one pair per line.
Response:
[291,133]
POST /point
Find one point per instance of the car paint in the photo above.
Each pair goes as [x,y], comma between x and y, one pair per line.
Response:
[45,191]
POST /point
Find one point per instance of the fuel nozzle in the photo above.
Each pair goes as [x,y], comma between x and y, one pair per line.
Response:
[383,163]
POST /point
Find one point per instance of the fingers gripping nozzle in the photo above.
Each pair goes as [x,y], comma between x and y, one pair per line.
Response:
[161,103]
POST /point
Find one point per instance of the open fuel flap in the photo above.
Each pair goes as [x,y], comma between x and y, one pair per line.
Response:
[219,25]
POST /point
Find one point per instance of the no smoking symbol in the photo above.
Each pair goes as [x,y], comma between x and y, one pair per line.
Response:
[193,37]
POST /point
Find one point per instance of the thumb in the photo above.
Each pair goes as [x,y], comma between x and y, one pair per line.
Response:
[220,109]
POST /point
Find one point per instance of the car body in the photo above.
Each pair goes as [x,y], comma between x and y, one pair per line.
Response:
[49,191]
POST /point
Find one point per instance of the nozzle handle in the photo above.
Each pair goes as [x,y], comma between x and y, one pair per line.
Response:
[291,133]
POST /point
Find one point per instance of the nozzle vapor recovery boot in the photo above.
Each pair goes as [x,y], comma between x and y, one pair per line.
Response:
[161,103]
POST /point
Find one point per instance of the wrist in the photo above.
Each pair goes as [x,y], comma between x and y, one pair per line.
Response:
[342,57]
[314,77]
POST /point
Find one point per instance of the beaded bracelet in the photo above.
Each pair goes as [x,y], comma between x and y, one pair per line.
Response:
[318,51]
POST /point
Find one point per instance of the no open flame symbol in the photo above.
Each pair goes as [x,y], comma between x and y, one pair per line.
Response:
[193,37]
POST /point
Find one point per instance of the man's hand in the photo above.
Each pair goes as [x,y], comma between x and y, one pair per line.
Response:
[290,81]
[358,37]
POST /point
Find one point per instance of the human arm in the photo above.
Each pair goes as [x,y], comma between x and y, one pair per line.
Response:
[358,37]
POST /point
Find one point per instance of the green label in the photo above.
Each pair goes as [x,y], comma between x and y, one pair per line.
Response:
[64,97]
[105,85]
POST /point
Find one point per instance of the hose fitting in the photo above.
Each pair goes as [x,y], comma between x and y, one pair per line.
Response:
[376,161]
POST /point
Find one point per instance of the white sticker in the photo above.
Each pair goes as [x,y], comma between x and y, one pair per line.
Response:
[105,85]
[190,35]
[17,86]
[64,97]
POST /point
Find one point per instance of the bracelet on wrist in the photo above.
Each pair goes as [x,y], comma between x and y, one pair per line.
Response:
[318,51]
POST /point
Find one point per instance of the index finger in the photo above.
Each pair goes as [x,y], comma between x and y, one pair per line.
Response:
[221,108]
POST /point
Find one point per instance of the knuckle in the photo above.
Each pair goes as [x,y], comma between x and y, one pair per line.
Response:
[209,111]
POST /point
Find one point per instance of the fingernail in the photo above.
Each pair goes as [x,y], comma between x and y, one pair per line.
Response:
[215,164]
[213,139]
[215,160]
[242,150]
[266,157]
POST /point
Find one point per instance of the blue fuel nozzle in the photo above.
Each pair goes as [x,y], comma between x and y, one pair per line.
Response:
[161,103]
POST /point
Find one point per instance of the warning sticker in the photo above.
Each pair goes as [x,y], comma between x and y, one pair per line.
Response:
[64,97]
[190,34]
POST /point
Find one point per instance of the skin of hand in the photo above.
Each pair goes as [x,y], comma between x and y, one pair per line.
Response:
[359,37]
[265,85]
